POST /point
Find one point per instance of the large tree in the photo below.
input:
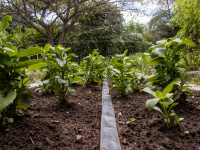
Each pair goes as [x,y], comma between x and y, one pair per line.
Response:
[45,13]
[98,30]
[158,26]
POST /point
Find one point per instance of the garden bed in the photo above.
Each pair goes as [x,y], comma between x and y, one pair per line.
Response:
[150,130]
[50,125]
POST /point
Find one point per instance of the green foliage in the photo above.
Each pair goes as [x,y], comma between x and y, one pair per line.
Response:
[143,65]
[165,56]
[100,29]
[14,92]
[166,102]
[133,38]
[122,74]
[187,14]
[60,72]
[93,67]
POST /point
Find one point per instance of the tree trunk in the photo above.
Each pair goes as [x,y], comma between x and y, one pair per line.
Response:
[62,38]
[50,36]
[51,39]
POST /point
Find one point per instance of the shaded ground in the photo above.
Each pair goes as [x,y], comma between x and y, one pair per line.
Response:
[149,131]
[50,125]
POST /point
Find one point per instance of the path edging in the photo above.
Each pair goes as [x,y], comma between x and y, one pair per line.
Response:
[109,138]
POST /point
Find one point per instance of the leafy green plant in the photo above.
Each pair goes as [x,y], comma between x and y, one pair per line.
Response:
[122,74]
[14,92]
[166,102]
[131,121]
[165,56]
[93,67]
[61,72]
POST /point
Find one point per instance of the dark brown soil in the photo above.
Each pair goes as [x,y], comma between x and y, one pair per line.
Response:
[50,125]
[150,131]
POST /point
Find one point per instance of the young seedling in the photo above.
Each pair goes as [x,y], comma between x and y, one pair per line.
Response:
[166,102]
[131,121]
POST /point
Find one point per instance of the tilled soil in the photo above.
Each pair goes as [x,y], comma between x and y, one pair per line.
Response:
[149,131]
[46,124]
[76,125]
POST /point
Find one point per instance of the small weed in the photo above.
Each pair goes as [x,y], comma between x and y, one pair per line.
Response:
[118,102]
[131,121]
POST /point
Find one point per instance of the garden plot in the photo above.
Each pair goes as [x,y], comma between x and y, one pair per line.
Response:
[50,125]
[149,130]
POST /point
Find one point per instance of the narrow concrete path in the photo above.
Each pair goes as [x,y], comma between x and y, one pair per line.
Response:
[109,137]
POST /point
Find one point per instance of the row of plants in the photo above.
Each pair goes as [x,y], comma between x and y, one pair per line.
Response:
[124,71]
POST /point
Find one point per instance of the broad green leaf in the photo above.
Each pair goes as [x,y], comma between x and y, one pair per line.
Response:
[5,23]
[158,109]
[168,88]
[99,65]
[76,79]
[152,78]
[120,56]
[38,81]
[168,100]
[11,54]
[157,60]
[150,104]
[51,63]
[177,40]
[178,48]
[25,100]
[4,102]
[147,54]
[163,104]
[61,81]
[169,95]
[188,43]
[161,42]
[8,49]
[29,52]
[46,81]
[158,94]
[71,91]
[148,90]
[47,47]
[61,63]
[119,66]
[27,63]
[158,51]
[35,66]
[177,80]
[181,69]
